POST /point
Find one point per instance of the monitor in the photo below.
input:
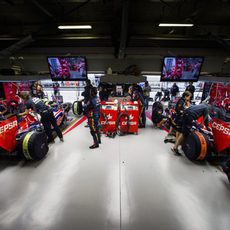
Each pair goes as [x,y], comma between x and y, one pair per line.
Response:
[181,68]
[67,68]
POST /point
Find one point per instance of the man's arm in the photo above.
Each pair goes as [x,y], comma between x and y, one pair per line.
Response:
[24,113]
[205,114]
[29,105]
[4,111]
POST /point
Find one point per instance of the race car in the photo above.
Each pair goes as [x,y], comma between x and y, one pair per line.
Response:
[205,145]
[23,137]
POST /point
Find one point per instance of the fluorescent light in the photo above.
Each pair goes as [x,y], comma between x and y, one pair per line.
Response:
[75,27]
[175,25]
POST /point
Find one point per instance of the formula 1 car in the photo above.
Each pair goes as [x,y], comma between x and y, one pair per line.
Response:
[204,145]
[23,137]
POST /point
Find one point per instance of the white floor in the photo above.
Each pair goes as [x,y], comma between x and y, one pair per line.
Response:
[130,183]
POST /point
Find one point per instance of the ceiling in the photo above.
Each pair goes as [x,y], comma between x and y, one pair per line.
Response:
[118,24]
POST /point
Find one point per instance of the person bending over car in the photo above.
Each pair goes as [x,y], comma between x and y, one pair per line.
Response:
[46,113]
[192,114]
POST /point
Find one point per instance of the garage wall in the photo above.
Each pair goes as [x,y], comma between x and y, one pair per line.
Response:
[100,58]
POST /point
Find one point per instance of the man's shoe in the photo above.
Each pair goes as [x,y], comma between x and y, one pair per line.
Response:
[176,152]
[61,139]
[51,142]
[93,146]
[86,126]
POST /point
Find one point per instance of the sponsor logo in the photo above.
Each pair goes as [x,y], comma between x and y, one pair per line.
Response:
[131,117]
[110,122]
[109,117]
[221,128]
[130,123]
[8,126]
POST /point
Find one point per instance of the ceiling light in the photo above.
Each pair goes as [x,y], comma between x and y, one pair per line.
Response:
[75,27]
[175,25]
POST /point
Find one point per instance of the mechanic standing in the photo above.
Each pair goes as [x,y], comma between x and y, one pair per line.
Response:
[191,89]
[87,93]
[92,109]
[146,92]
[182,104]
[137,96]
[46,113]
[226,168]
[174,91]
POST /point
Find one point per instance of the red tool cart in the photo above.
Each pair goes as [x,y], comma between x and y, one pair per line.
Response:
[109,116]
[128,117]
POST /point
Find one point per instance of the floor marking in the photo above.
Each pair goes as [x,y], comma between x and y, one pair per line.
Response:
[78,122]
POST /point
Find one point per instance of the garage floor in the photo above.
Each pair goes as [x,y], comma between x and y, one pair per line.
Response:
[130,183]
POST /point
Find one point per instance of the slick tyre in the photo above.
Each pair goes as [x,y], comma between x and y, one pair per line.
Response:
[33,145]
[196,146]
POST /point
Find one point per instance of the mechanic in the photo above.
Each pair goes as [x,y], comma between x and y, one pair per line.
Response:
[191,89]
[226,168]
[158,96]
[56,88]
[39,91]
[146,92]
[87,93]
[3,112]
[46,113]
[174,91]
[177,121]
[104,93]
[92,109]
[137,96]
[33,89]
[191,114]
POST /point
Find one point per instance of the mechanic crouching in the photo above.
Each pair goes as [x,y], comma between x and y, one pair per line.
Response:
[46,113]
[92,110]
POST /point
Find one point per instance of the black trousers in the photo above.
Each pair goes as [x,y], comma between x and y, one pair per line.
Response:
[48,119]
[187,124]
[93,122]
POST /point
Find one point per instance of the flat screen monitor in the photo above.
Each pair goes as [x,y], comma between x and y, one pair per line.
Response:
[181,68]
[67,68]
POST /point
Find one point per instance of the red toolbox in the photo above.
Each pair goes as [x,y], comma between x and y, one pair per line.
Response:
[128,117]
[109,116]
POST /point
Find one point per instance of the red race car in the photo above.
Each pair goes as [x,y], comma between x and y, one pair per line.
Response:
[23,137]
